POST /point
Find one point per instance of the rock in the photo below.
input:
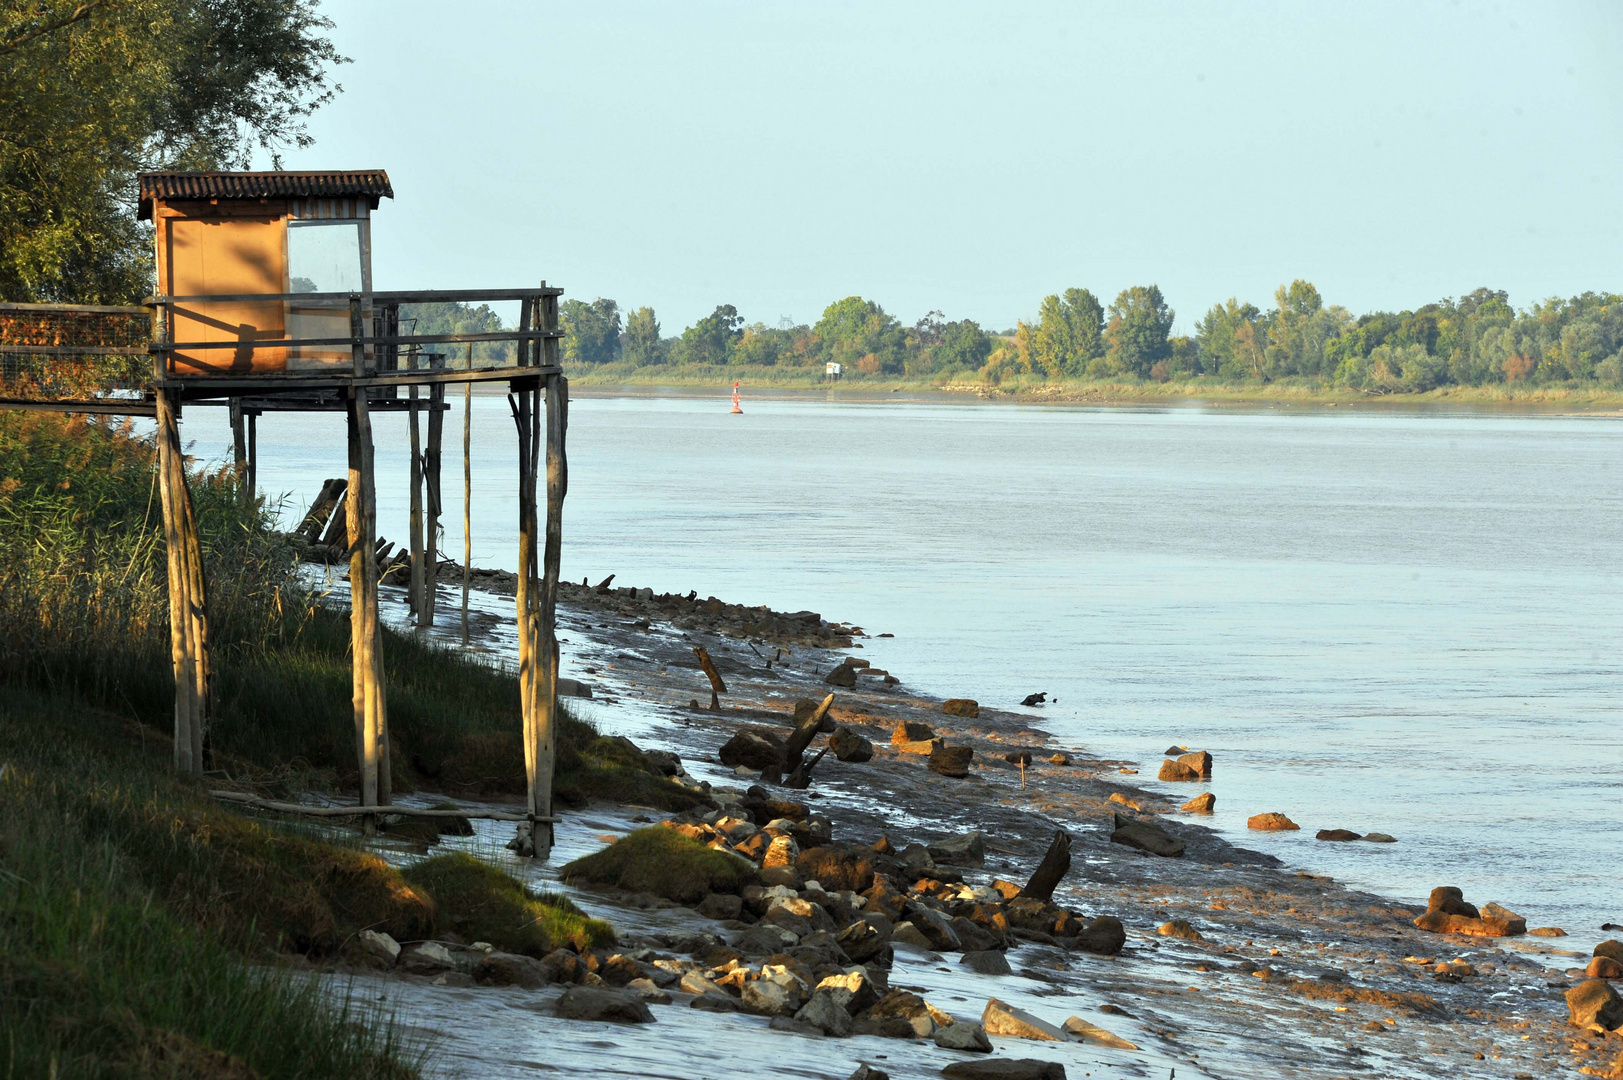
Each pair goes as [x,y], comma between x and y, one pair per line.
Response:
[963,1036]
[1546,931]
[966,849]
[1204,803]
[1006,889]
[510,969]
[1336,834]
[563,966]
[960,706]
[1003,1019]
[935,927]
[868,1072]
[847,745]
[649,991]
[923,747]
[1081,1029]
[1438,922]
[1450,901]
[764,997]
[899,1004]
[844,675]
[1499,911]
[381,948]
[1200,761]
[1060,759]
[1118,797]
[1271,822]
[426,958]
[909,731]
[1603,967]
[853,990]
[718,1003]
[827,1015]
[1104,936]
[1179,928]
[459,979]
[694,983]
[666,762]
[862,941]
[1005,1069]
[1594,1004]
[755,748]
[908,933]
[794,1027]
[1033,699]
[1176,770]
[613,1006]
[721,906]
[836,869]
[805,707]
[1611,948]
[618,970]
[783,851]
[1146,837]
[986,962]
[951,760]
[1379,838]
[1018,757]
[576,688]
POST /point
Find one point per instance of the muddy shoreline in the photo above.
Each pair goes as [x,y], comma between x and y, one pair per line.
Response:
[1296,974]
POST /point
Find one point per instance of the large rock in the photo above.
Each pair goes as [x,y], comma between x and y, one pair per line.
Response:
[1105,936]
[380,948]
[1177,770]
[721,906]
[768,998]
[951,760]
[966,849]
[1001,1018]
[1200,761]
[783,851]
[1146,837]
[901,1005]
[805,707]
[1611,948]
[1340,835]
[755,748]
[1603,967]
[612,1006]
[1204,803]
[1439,922]
[909,731]
[1450,901]
[1093,1033]
[836,869]
[936,928]
[1271,822]
[510,969]
[826,1014]
[1179,928]
[1004,1069]
[427,958]
[961,706]
[847,745]
[1594,1004]
[986,962]
[844,675]
[963,1036]
[862,941]
[853,990]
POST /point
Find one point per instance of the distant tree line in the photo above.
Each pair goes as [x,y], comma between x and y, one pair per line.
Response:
[1474,340]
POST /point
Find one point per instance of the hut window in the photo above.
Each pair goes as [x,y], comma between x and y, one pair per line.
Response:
[324,256]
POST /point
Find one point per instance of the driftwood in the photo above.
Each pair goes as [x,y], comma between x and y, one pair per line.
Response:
[321,509]
[357,811]
[799,740]
[717,687]
[1055,865]
[800,776]
[603,586]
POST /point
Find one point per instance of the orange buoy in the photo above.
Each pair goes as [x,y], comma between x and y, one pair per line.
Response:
[737,408]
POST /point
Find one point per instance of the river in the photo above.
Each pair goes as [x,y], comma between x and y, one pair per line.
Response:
[1383,620]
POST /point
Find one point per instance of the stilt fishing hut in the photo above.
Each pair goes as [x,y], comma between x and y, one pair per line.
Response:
[264,302]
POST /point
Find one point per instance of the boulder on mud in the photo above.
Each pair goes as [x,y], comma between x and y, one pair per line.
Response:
[1271,822]
[836,869]
[1146,837]
[1438,922]
[1005,1069]
[1000,1018]
[1180,928]
[827,1015]
[966,849]
[1204,803]
[963,1036]
[847,745]
[960,706]
[755,748]
[1450,901]
[1079,1028]
[911,731]
[1176,770]
[1104,935]
[380,949]
[608,1006]
[986,962]
[1595,1005]
[910,1008]
[844,675]
[1060,759]
[511,969]
[951,761]
[863,940]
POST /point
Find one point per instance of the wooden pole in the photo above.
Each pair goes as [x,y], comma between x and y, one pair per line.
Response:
[181,647]
[414,590]
[557,401]
[1055,865]
[253,456]
[239,449]
[467,494]
[717,687]
[431,483]
[361,514]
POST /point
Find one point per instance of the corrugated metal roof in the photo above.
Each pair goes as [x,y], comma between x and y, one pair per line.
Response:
[371,184]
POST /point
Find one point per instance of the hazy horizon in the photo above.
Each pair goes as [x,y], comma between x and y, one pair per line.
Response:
[973,158]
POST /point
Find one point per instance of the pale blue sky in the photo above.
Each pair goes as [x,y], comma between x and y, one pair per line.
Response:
[974,157]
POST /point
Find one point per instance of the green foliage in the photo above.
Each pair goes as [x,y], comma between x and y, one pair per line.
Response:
[127,901]
[712,339]
[964,346]
[453,318]
[1069,333]
[591,331]
[858,334]
[640,343]
[662,861]
[483,903]
[132,86]
[1140,324]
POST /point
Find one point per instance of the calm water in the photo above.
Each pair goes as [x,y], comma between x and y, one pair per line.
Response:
[1380,621]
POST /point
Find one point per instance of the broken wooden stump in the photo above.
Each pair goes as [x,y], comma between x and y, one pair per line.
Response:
[321,510]
[1055,865]
[717,687]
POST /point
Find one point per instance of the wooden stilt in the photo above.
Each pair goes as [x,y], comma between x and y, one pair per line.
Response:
[371,724]
[182,628]
[414,589]
[253,457]
[431,487]
[545,734]
[467,495]
[239,449]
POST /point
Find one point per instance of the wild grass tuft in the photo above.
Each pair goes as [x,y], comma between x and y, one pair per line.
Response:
[482,903]
[663,862]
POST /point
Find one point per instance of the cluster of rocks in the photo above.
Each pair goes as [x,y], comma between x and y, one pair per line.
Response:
[1447,912]
[689,612]
[760,749]
[912,737]
[848,672]
[1180,767]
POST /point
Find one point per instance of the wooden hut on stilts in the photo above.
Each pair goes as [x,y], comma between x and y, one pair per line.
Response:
[264,302]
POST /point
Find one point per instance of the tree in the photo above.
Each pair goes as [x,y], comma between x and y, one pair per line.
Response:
[95,92]
[1068,333]
[1222,349]
[591,331]
[640,342]
[854,328]
[1140,323]
[711,339]
[963,345]
[454,318]
[1299,331]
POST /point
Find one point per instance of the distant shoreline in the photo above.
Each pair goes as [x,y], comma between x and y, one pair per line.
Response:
[762,385]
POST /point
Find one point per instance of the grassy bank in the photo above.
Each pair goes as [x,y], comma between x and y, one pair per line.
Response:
[1029,388]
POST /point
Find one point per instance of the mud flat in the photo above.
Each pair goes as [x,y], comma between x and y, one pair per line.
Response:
[1262,969]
